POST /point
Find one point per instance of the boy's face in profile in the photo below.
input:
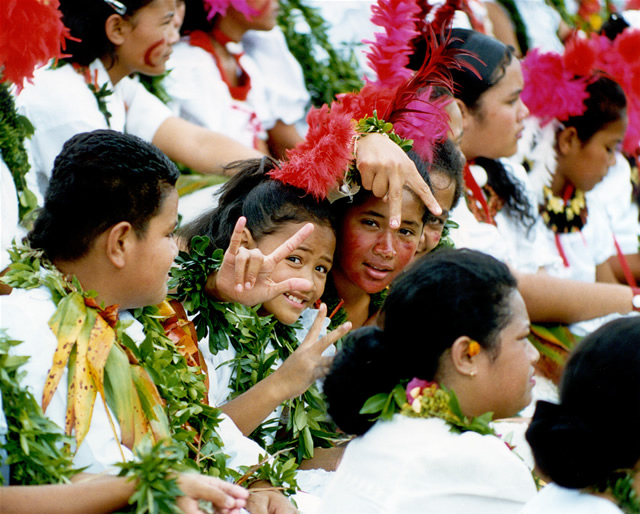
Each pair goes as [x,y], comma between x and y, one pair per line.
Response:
[151,257]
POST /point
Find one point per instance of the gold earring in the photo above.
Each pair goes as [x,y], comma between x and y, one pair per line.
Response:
[472,374]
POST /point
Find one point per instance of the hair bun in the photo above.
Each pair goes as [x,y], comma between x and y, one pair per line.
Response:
[566,448]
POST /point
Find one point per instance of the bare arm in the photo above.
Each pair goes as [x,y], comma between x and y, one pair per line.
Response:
[503,29]
[297,373]
[282,137]
[633,260]
[551,299]
[199,148]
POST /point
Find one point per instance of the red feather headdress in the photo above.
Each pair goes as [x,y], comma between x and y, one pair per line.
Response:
[32,34]
[399,96]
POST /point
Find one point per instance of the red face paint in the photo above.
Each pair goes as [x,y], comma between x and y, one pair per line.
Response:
[147,55]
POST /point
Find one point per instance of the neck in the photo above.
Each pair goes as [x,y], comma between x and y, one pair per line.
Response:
[558,182]
[356,301]
[92,278]
[231,28]
[116,72]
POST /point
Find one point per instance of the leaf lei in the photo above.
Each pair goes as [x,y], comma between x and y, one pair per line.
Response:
[38,451]
[100,92]
[260,342]
[620,486]
[373,124]
[14,128]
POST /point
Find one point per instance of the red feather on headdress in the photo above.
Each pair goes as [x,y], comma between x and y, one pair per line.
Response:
[32,34]
[318,163]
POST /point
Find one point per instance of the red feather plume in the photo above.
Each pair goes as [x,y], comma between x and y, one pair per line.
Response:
[32,34]
[317,164]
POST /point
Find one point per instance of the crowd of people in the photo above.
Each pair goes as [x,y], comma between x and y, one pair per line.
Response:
[423,298]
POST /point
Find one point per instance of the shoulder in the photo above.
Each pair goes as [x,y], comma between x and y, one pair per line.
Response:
[554,499]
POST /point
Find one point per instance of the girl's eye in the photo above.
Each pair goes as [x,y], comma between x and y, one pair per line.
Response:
[322,269]
[369,223]
[405,232]
[294,259]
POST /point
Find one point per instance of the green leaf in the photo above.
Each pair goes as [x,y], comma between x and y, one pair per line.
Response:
[374,404]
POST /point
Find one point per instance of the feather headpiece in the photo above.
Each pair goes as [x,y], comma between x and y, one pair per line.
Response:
[215,7]
[32,34]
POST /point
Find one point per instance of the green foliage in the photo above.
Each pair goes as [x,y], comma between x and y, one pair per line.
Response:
[14,129]
[373,124]
[445,238]
[281,473]
[385,404]
[154,84]
[156,487]
[621,486]
[38,451]
[326,72]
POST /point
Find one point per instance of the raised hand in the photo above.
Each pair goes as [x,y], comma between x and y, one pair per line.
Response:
[385,169]
[245,275]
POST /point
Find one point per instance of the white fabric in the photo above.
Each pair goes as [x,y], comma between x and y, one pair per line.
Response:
[410,465]
[199,95]
[542,23]
[9,211]
[4,429]
[284,83]
[59,104]
[613,195]
[25,314]
[554,499]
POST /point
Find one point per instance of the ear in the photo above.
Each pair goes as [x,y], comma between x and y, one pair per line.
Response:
[465,112]
[567,139]
[247,240]
[465,356]
[116,28]
[119,241]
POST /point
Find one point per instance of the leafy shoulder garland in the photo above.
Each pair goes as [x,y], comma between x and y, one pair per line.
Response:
[261,344]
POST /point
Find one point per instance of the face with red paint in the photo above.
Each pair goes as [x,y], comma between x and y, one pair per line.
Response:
[370,254]
[146,38]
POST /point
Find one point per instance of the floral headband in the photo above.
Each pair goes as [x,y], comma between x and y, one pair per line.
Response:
[556,85]
[32,34]
[215,7]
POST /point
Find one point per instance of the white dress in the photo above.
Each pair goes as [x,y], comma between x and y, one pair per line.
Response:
[25,314]
[60,105]
[411,465]
[199,95]
[554,499]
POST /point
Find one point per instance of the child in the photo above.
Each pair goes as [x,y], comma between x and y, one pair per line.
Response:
[273,212]
[370,254]
[592,458]
[427,450]
[107,226]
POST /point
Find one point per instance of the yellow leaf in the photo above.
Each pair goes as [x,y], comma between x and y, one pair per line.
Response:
[85,390]
[152,403]
[120,393]
[100,343]
[66,324]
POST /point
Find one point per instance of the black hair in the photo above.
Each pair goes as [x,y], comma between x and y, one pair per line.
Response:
[100,178]
[614,26]
[509,189]
[593,432]
[605,104]
[266,204]
[86,20]
[448,161]
[490,59]
[452,292]
[195,17]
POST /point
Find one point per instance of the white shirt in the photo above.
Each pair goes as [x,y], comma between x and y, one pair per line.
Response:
[60,105]
[411,465]
[9,207]
[554,499]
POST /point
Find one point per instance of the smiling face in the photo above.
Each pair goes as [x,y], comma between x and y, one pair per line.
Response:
[504,381]
[312,260]
[370,254]
[151,256]
[492,129]
[586,164]
[147,39]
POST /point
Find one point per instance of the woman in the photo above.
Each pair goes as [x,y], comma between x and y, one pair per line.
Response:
[592,458]
[428,453]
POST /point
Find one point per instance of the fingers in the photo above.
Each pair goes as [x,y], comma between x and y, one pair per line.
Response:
[291,284]
[236,236]
[333,336]
[254,266]
[417,184]
[395,197]
[316,327]
[291,244]
[225,497]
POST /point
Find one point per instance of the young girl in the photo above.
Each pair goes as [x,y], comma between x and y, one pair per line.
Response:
[370,254]
[215,84]
[265,360]
[592,458]
[430,454]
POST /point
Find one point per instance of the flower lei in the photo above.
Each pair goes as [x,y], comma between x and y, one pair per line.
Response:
[620,486]
[260,342]
[38,451]
[566,214]
[423,399]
